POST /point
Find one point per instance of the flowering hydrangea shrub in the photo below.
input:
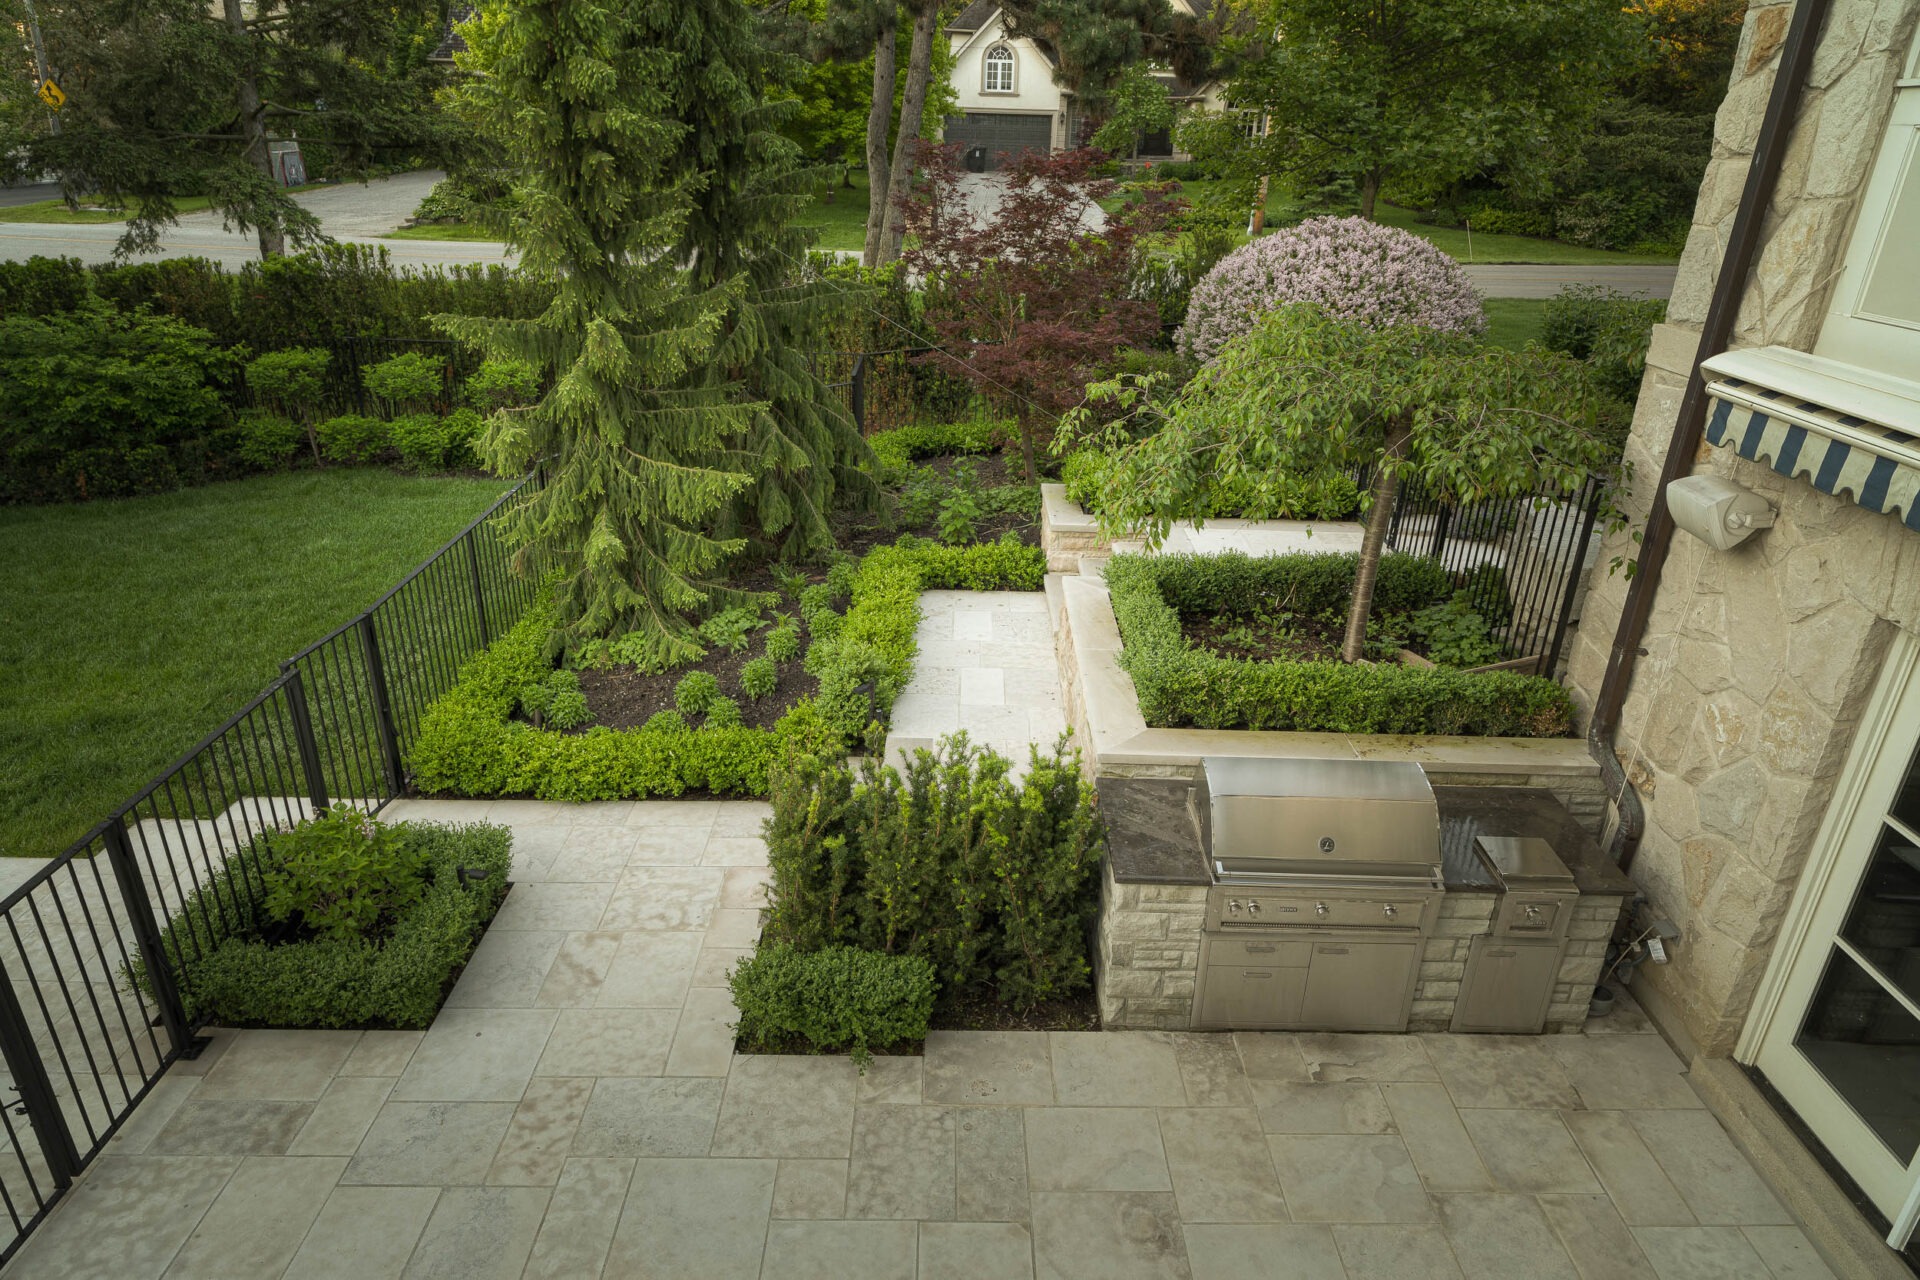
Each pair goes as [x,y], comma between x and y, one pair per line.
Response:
[1350,267]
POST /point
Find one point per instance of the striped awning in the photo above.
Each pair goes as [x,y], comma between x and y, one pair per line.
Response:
[1847,456]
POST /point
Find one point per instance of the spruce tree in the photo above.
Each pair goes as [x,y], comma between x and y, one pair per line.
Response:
[748,182]
[637,428]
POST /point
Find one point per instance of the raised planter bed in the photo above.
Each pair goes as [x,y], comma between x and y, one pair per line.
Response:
[1068,531]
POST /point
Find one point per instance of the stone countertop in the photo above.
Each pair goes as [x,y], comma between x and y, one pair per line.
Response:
[1468,812]
[1152,837]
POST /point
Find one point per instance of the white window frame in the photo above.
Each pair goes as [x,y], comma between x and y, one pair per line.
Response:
[1000,52]
[1852,333]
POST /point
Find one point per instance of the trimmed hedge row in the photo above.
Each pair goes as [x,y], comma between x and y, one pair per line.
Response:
[841,998]
[228,975]
[468,745]
[1180,686]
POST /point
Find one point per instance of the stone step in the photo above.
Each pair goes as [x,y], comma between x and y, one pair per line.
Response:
[1094,565]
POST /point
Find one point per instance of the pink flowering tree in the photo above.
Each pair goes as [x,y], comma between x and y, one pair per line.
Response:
[1350,268]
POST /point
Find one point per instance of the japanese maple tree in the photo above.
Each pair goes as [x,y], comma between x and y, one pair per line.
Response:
[1029,300]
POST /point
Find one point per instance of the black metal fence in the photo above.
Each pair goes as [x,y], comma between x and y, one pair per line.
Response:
[89,1015]
[1531,553]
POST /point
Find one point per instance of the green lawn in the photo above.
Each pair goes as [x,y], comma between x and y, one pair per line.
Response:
[56,211]
[1514,322]
[444,231]
[843,219]
[131,629]
[1485,249]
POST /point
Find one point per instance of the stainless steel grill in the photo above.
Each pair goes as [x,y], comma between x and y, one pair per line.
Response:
[1326,880]
[1510,973]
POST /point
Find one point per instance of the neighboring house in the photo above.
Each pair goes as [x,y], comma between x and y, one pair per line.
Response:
[454,42]
[1767,713]
[1008,101]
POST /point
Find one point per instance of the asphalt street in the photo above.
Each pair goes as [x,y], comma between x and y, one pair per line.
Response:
[362,212]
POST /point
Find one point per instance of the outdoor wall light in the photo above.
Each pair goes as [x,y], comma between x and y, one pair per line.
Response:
[1718,512]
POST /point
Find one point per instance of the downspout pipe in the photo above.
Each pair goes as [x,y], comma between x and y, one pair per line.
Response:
[1743,246]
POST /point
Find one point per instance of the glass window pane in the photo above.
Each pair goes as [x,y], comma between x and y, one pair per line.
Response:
[1896,264]
[1906,801]
[1884,924]
[1868,1047]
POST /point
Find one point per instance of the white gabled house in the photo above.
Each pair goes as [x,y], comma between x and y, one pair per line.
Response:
[1008,102]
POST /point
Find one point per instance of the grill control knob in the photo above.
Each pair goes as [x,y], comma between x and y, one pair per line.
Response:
[1392,911]
[1533,913]
[1233,905]
[1320,908]
[1253,907]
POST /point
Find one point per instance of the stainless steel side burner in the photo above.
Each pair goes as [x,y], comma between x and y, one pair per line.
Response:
[1326,881]
[1511,971]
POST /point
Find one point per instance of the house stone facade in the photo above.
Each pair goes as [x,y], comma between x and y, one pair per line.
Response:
[1759,664]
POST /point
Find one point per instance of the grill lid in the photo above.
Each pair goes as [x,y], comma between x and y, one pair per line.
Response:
[1524,862]
[1344,817]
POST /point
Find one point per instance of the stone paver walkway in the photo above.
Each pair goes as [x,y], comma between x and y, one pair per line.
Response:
[577,1111]
[985,665]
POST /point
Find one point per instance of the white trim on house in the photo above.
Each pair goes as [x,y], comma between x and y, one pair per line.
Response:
[1000,56]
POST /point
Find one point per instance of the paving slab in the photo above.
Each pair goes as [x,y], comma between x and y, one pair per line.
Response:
[902,1164]
[1002,1068]
[255,1226]
[1112,1235]
[1396,1251]
[1503,1237]
[1115,1069]
[1349,1178]
[1347,1107]
[477,1055]
[810,1189]
[791,1108]
[1529,1151]
[364,1233]
[705,1218]
[973,1250]
[649,1116]
[479,1233]
[1219,1174]
[1259,1252]
[990,1165]
[1095,1149]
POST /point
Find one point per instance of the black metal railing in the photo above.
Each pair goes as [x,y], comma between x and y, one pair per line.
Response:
[1531,553]
[89,1013]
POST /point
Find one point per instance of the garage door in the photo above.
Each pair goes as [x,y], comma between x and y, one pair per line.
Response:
[998,136]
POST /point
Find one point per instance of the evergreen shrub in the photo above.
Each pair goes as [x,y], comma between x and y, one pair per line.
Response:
[390,969]
[900,446]
[267,440]
[1179,685]
[988,879]
[838,999]
[352,439]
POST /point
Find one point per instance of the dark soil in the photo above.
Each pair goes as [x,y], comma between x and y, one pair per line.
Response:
[622,698]
[1302,639]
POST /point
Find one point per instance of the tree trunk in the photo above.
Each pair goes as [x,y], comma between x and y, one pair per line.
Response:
[879,116]
[1258,222]
[253,122]
[1386,484]
[913,106]
[1369,191]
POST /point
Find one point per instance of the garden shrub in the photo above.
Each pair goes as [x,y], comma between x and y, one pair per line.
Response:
[783,642]
[267,440]
[722,713]
[759,678]
[502,384]
[338,873]
[896,448]
[291,381]
[987,878]
[568,709]
[420,439]
[1179,685]
[1350,267]
[730,628]
[1608,329]
[352,439]
[460,431]
[395,975]
[695,692]
[1084,474]
[406,383]
[95,403]
[841,998]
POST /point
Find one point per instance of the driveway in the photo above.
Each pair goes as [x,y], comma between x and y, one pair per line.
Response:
[353,212]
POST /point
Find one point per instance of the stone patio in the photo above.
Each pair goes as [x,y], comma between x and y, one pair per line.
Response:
[985,665]
[577,1110]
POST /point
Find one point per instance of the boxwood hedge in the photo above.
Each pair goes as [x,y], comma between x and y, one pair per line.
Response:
[469,745]
[1180,685]
[228,974]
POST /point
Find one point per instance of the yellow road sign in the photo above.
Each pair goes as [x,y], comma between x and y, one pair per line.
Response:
[51,95]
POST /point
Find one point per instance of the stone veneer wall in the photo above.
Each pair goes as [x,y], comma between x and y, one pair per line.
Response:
[1147,960]
[1760,659]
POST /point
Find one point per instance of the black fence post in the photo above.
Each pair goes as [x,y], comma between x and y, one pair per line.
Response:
[146,935]
[29,1072]
[479,593]
[857,393]
[1576,569]
[1442,517]
[382,704]
[303,739]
